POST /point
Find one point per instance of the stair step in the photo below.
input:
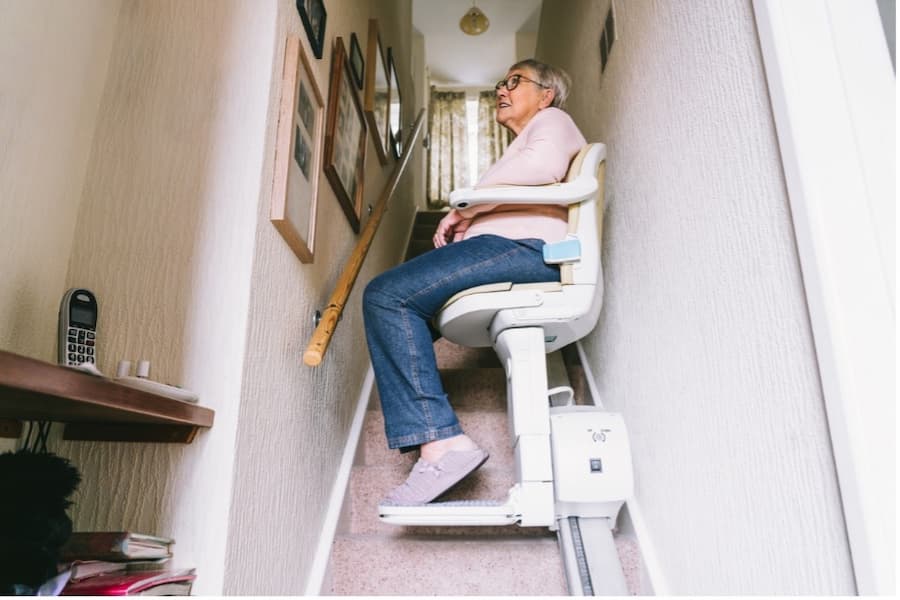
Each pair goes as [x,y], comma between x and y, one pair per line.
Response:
[454,356]
[417,248]
[423,232]
[488,429]
[380,565]
[429,217]
[471,389]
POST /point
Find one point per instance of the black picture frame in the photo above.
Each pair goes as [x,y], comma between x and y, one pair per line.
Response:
[395,110]
[357,63]
[314,16]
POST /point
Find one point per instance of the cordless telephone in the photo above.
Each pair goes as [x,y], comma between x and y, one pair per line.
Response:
[78,328]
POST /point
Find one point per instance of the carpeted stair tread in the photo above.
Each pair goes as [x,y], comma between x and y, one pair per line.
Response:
[422,566]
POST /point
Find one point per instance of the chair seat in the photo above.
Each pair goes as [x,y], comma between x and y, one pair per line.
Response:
[474,317]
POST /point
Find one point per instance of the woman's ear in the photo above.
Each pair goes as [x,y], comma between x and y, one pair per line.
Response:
[547,98]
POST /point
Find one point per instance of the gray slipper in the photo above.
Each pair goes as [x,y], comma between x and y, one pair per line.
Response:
[427,481]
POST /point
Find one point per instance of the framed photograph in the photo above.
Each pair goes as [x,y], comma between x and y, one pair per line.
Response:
[377,93]
[298,153]
[395,121]
[357,64]
[313,15]
[345,137]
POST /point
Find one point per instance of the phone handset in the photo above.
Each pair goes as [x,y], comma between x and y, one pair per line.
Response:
[78,328]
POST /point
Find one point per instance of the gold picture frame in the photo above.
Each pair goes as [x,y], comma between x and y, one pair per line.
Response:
[298,153]
[345,137]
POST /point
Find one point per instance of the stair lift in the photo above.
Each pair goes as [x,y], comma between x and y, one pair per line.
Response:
[572,462]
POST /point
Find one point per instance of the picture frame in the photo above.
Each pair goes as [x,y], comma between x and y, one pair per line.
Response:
[395,112]
[298,153]
[377,93]
[357,64]
[313,16]
[345,137]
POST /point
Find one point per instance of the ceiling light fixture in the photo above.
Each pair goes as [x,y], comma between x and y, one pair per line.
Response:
[474,22]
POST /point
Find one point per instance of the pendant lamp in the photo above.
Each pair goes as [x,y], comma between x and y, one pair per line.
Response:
[474,22]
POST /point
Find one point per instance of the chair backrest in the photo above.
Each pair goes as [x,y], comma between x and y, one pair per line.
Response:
[586,218]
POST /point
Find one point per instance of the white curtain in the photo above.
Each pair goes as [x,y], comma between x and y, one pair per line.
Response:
[447,150]
[493,138]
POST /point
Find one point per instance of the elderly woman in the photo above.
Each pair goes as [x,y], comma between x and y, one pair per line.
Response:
[473,246]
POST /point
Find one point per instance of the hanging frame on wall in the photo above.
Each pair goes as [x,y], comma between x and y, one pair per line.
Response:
[395,113]
[298,153]
[313,15]
[357,64]
[345,137]
[377,93]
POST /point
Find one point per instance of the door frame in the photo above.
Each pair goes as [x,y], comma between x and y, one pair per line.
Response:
[832,91]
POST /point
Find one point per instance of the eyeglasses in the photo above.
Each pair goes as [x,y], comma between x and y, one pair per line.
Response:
[512,82]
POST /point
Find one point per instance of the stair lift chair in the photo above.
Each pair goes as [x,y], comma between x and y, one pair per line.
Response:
[524,322]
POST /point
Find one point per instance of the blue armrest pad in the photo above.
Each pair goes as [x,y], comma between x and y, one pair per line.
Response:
[568,250]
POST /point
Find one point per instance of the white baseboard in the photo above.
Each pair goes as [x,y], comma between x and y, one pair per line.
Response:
[322,561]
[634,517]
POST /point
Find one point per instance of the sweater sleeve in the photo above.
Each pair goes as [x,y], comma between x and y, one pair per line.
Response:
[550,141]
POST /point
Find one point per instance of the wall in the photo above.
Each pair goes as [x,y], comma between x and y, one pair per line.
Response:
[168,218]
[294,420]
[704,342]
[172,186]
[54,56]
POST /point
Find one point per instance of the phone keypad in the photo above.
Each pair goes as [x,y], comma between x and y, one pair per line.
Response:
[80,345]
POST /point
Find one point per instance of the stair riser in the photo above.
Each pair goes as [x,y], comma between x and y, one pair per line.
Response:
[452,356]
[471,389]
[489,430]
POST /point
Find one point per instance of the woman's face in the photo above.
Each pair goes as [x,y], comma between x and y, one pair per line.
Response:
[517,106]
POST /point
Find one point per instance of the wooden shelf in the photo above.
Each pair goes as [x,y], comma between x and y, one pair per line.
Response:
[93,408]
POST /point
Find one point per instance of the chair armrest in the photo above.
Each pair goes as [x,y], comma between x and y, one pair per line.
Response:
[570,192]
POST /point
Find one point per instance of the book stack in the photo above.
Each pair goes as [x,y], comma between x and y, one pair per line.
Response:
[107,563]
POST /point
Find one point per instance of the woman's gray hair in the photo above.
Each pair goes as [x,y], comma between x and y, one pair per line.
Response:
[550,76]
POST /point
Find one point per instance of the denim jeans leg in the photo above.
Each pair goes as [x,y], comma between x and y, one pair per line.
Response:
[398,307]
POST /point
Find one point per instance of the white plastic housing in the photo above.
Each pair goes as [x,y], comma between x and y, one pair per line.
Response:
[592,469]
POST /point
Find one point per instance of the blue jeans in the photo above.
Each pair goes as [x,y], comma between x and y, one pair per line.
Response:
[398,307]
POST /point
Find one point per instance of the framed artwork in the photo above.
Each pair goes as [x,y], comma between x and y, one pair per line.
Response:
[357,65]
[377,93]
[313,15]
[345,137]
[395,124]
[298,155]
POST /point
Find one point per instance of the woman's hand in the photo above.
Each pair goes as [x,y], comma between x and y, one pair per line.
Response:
[451,228]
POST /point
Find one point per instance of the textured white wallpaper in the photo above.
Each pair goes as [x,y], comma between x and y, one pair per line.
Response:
[704,342]
[294,420]
[163,162]
[53,60]
[169,218]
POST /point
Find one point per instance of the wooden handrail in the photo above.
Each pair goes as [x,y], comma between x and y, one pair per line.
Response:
[321,337]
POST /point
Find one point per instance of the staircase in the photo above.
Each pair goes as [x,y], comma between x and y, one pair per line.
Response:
[373,558]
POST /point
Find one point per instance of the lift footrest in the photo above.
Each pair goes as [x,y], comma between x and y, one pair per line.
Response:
[459,512]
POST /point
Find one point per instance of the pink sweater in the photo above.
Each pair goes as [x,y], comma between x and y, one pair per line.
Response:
[540,154]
